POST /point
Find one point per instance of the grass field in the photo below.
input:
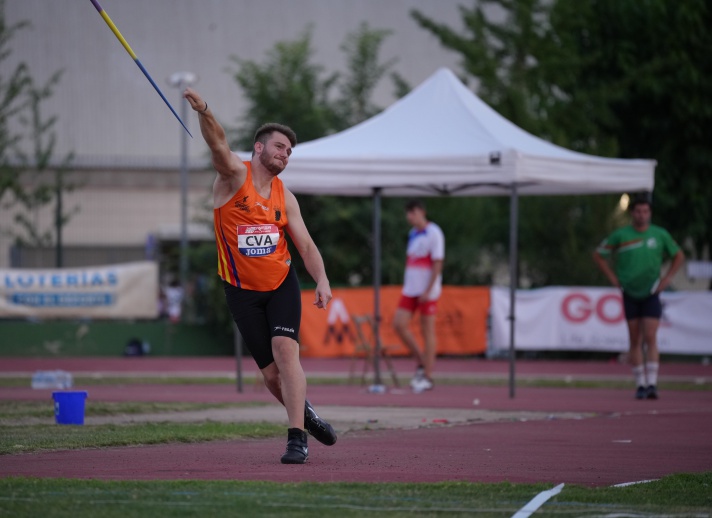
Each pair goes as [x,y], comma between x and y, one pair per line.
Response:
[674,496]
[25,438]
[682,495]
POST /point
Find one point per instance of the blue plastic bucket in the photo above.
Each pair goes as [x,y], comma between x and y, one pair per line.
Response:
[69,407]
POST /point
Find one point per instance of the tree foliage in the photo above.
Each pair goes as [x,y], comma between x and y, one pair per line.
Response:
[514,60]
[42,181]
[13,85]
[29,177]
[625,78]
[502,55]
[648,63]
[618,78]
[363,73]
[288,87]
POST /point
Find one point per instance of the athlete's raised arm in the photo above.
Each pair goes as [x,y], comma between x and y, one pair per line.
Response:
[226,163]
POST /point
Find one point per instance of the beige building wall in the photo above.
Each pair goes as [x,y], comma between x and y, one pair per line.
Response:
[107,109]
[125,140]
[121,209]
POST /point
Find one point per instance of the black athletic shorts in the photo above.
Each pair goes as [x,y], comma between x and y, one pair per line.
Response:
[649,307]
[260,315]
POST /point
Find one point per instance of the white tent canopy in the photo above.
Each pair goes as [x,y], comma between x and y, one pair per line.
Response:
[441,139]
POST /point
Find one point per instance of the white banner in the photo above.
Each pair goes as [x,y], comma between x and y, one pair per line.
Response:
[592,319]
[127,290]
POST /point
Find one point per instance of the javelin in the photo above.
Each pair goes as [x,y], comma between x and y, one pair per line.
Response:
[135,58]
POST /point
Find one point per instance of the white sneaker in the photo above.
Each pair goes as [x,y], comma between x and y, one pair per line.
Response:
[419,375]
[422,385]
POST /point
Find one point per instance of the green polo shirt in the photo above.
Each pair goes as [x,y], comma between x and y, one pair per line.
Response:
[638,257]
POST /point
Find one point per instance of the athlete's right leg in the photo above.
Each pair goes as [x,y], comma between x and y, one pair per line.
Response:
[649,334]
[248,312]
[635,356]
[635,337]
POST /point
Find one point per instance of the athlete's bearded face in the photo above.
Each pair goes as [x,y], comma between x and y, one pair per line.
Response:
[275,153]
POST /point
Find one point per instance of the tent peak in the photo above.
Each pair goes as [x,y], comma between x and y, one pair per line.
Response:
[442,134]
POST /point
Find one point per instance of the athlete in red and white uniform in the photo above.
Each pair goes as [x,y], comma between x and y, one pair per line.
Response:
[422,285]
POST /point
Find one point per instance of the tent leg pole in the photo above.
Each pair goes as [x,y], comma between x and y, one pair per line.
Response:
[513,280]
[377,285]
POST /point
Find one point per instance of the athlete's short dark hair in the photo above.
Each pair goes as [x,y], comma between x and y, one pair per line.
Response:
[414,204]
[639,199]
[265,131]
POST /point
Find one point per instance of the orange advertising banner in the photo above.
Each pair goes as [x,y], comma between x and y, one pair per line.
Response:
[461,322]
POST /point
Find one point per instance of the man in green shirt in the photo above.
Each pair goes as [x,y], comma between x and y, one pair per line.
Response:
[637,252]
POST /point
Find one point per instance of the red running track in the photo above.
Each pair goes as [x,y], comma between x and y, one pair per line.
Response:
[623,440]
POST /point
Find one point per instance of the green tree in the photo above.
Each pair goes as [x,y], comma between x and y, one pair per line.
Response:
[647,63]
[505,56]
[288,88]
[344,224]
[12,100]
[517,63]
[623,78]
[29,180]
[363,73]
[42,182]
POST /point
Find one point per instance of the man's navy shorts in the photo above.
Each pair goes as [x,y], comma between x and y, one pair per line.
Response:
[649,307]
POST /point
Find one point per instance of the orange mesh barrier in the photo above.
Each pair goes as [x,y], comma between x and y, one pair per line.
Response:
[461,322]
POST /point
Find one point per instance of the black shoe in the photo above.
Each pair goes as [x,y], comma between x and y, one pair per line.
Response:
[641,393]
[297,451]
[317,427]
[651,392]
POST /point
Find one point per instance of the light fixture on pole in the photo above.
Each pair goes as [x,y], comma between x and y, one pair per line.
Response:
[181,80]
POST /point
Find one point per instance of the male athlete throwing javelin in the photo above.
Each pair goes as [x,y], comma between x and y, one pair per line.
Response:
[252,209]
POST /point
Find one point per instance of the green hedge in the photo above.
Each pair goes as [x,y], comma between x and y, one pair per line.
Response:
[109,338]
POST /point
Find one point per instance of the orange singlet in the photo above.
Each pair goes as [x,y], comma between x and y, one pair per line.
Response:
[249,231]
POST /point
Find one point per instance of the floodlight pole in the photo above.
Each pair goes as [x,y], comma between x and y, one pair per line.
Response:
[181,80]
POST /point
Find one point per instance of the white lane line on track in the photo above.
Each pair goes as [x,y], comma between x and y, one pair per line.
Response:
[624,484]
[536,502]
